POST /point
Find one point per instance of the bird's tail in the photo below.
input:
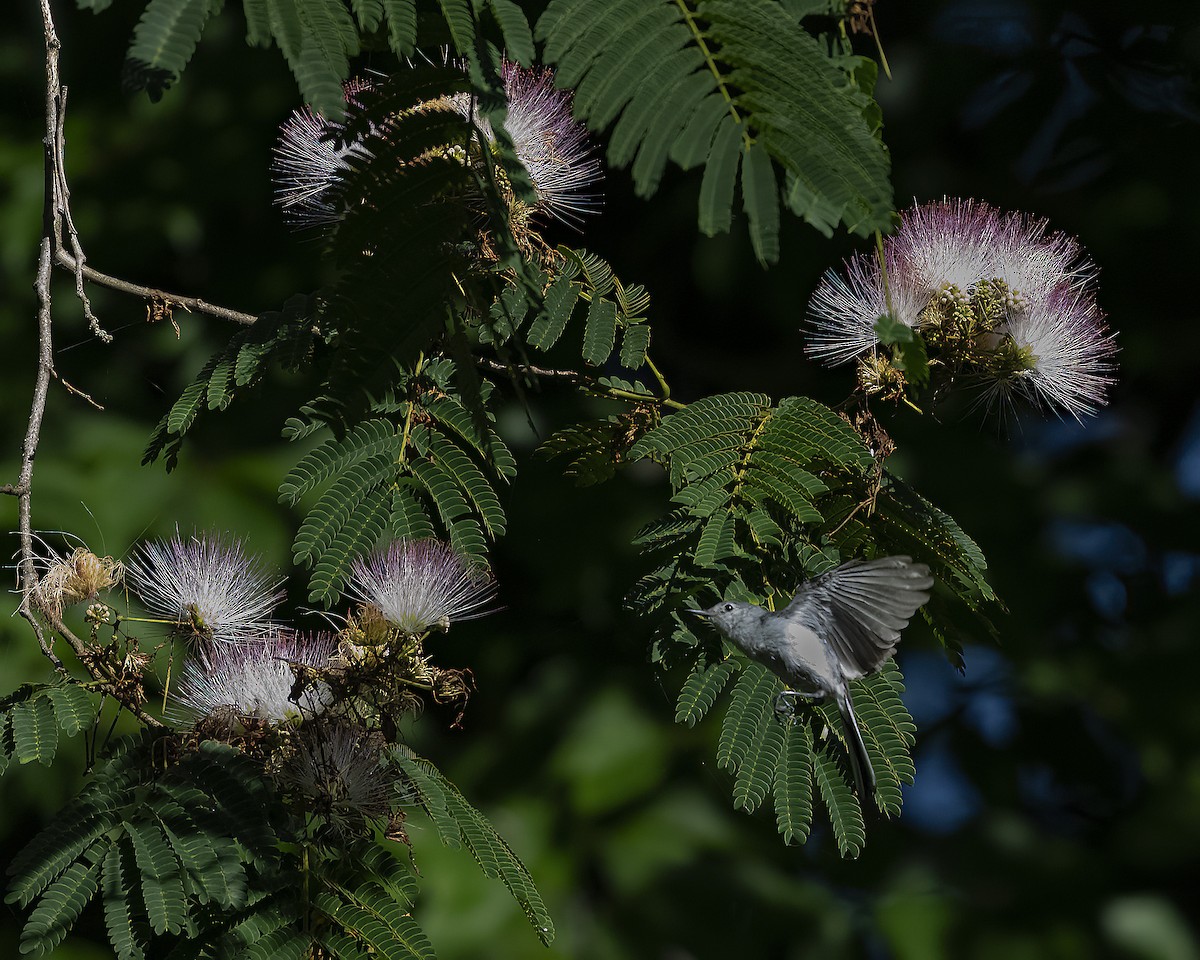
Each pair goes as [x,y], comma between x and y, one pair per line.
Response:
[860,762]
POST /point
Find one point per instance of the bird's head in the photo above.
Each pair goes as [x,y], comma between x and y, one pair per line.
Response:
[730,616]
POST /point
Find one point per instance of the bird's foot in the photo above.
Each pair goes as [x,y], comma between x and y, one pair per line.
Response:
[785,702]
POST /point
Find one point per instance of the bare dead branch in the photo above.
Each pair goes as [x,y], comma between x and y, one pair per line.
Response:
[53,217]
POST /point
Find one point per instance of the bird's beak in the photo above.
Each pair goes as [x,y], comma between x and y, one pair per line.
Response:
[700,613]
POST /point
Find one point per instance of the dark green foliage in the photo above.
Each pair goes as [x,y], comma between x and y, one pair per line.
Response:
[402,243]
[909,354]
[701,688]
[186,855]
[283,337]
[765,494]
[426,466]
[164,844]
[33,716]
[434,268]
[729,83]
[317,38]
[518,38]
[163,42]
[368,907]
[413,451]
[458,822]
[582,286]
[591,451]
[845,814]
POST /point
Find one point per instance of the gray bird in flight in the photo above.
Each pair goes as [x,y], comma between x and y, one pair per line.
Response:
[841,625]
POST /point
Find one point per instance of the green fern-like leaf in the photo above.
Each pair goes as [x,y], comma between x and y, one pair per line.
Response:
[720,178]
[74,709]
[59,907]
[370,914]
[35,734]
[316,38]
[559,301]
[888,731]
[157,844]
[635,343]
[752,699]
[600,334]
[701,688]
[128,930]
[518,38]
[494,856]
[717,540]
[409,519]
[283,944]
[402,26]
[258,23]
[426,789]
[726,84]
[86,820]
[844,812]
[466,474]
[163,42]
[793,788]
[211,862]
[341,946]
[761,197]
[161,882]
[7,747]
[763,493]
[369,440]
[362,529]
[284,337]
[368,13]
[756,771]
[343,507]
[461,21]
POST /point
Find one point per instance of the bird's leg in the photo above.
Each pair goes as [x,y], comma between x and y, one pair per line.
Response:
[786,708]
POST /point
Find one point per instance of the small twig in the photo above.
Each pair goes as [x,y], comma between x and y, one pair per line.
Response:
[154,294]
[529,368]
[587,383]
[62,209]
[75,391]
[59,199]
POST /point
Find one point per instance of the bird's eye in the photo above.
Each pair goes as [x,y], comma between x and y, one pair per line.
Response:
[728,608]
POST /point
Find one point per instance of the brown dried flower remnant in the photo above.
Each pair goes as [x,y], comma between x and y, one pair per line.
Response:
[78,578]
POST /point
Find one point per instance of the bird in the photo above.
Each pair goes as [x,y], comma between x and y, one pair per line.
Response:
[841,625]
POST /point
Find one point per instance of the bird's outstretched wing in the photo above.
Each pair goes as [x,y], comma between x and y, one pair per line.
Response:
[860,608]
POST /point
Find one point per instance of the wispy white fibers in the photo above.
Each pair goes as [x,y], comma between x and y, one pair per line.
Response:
[207,584]
[310,158]
[253,679]
[843,310]
[552,145]
[419,584]
[1070,354]
[946,245]
[1036,262]
[311,155]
